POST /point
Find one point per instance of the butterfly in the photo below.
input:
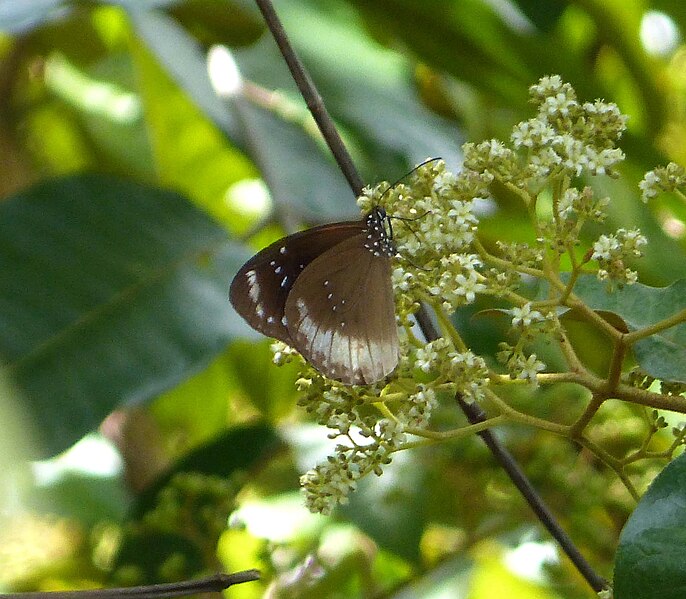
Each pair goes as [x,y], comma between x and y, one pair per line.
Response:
[327,293]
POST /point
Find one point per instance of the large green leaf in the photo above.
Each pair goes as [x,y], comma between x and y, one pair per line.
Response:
[469,39]
[662,355]
[303,180]
[545,15]
[650,557]
[110,292]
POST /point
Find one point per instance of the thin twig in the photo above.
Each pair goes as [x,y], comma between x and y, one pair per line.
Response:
[314,101]
[473,412]
[210,584]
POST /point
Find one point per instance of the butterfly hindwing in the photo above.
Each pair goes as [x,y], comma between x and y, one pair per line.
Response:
[340,313]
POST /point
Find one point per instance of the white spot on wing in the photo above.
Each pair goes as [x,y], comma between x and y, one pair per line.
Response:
[253,285]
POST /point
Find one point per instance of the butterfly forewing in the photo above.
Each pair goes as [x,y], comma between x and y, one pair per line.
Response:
[260,288]
[340,313]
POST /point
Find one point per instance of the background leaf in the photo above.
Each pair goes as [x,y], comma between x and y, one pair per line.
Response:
[128,279]
[662,355]
[650,561]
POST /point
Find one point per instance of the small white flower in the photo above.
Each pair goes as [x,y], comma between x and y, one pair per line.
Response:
[605,248]
[546,86]
[402,279]
[633,240]
[530,368]
[425,358]
[282,353]
[444,182]
[469,287]
[649,186]
[525,316]
[566,204]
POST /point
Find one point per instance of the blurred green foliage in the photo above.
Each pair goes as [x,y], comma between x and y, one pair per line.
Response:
[128,184]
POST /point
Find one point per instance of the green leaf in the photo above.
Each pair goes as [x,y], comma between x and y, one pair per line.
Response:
[270,388]
[484,48]
[204,166]
[111,292]
[650,557]
[304,182]
[662,355]
[85,497]
[220,22]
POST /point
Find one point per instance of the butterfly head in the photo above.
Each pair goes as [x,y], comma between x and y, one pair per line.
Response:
[379,234]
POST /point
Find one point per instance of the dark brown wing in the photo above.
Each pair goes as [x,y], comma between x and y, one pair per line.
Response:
[260,288]
[341,315]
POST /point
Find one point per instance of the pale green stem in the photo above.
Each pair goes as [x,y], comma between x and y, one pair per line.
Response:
[458,433]
[577,428]
[521,418]
[666,323]
[612,463]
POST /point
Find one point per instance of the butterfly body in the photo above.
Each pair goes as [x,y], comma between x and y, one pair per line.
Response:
[327,292]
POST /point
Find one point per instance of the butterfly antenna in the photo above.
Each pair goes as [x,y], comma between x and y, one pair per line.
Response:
[420,165]
[407,259]
[407,221]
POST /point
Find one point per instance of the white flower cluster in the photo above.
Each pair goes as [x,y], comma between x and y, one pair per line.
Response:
[429,357]
[469,373]
[583,204]
[564,136]
[524,316]
[519,365]
[421,405]
[434,219]
[459,281]
[611,251]
[283,353]
[434,225]
[662,179]
[330,483]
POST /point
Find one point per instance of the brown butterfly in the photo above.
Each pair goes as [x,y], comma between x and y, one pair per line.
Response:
[327,293]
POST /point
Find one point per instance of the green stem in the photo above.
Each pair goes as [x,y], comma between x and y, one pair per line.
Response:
[666,323]
[612,463]
[521,418]
[459,433]
[591,409]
